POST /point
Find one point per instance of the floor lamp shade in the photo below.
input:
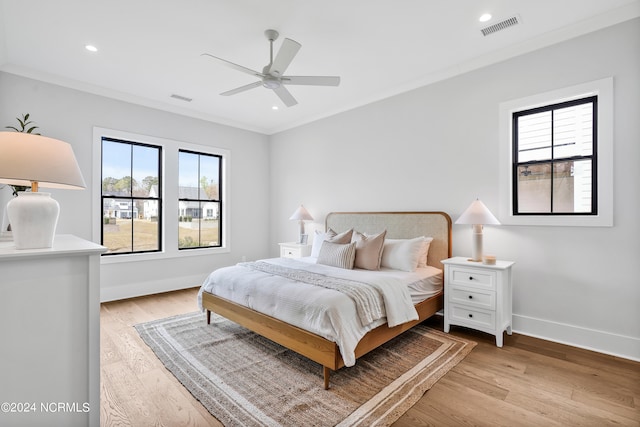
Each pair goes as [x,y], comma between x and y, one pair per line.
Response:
[477,214]
[36,161]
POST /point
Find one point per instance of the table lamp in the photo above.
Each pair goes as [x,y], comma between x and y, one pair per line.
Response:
[301,214]
[36,161]
[477,214]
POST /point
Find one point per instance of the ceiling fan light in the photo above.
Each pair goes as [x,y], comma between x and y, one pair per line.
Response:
[271,83]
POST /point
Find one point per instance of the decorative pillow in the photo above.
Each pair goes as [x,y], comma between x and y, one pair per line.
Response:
[424,252]
[402,254]
[330,236]
[368,250]
[337,255]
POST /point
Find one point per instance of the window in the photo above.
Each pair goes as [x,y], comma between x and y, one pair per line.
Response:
[158,198]
[199,200]
[554,159]
[131,214]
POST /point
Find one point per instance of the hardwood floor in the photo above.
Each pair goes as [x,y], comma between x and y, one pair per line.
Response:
[528,382]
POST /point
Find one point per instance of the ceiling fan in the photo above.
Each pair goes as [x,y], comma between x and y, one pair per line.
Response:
[272,75]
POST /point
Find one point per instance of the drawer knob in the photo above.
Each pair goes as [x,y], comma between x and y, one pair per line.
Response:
[470,315]
[470,296]
[470,277]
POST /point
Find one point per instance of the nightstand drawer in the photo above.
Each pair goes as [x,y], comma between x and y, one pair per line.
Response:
[294,250]
[474,318]
[290,252]
[471,277]
[473,297]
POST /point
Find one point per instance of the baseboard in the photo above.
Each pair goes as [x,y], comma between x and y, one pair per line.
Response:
[132,290]
[589,339]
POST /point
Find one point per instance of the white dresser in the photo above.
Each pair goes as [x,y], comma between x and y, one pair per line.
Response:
[294,250]
[478,296]
[50,334]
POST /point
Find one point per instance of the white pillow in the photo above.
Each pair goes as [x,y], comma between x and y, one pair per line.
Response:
[402,254]
[424,252]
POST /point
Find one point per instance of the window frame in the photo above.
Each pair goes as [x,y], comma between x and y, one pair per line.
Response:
[552,160]
[219,200]
[131,197]
[603,217]
[169,165]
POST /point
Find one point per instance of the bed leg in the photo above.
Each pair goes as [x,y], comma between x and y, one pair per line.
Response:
[208,317]
[326,372]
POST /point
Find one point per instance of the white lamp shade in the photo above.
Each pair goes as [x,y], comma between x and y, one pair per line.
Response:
[477,213]
[25,158]
[302,214]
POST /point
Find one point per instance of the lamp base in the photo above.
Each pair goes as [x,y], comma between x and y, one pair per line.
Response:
[33,218]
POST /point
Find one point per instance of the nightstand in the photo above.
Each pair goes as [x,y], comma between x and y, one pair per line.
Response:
[478,296]
[294,250]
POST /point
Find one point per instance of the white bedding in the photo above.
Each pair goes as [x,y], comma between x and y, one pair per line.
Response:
[325,312]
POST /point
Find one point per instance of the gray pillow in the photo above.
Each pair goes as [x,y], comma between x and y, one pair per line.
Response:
[337,255]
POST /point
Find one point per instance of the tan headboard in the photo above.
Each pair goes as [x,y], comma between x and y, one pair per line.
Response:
[400,225]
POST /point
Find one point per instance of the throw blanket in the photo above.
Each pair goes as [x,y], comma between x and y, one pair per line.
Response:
[368,300]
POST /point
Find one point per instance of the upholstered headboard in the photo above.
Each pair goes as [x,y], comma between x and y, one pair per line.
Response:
[400,225]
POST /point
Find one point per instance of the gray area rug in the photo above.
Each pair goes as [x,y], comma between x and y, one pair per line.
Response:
[246,380]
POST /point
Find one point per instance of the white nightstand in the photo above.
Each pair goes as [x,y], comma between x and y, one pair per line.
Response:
[478,296]
[294,250]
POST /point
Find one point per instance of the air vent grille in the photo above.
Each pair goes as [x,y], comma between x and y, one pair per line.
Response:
[181,98]
[500,26]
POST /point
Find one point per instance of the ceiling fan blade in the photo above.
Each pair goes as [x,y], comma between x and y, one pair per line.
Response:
[285,55]
[242,88]
[311,80]
[235,66]
[285,96]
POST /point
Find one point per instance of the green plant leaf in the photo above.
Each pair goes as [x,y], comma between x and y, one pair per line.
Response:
[32,129]
[11,127]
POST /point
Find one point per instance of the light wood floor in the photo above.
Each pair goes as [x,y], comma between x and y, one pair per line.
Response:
[528,382]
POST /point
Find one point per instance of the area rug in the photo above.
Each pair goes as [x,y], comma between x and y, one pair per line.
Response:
[246,380]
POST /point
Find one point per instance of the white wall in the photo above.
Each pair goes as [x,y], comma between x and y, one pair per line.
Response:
[70,115]
[436,148]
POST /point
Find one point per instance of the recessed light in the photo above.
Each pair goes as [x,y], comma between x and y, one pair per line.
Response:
[275,107]
[91,48]
[484,17]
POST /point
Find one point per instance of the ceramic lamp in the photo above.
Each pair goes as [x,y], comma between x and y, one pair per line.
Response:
[36,161]
[301,214]
[477,214]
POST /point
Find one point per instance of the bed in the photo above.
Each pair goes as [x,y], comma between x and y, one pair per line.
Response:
[270,319]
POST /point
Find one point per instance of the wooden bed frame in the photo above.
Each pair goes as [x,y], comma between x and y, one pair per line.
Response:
[399,225]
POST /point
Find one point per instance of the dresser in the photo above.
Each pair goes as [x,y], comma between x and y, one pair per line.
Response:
[294,250]
[50,334]
[478,296]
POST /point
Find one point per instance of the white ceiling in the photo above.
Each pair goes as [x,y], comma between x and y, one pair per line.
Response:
[151,49]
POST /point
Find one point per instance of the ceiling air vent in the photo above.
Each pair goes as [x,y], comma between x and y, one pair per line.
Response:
[500,25]
[181,98]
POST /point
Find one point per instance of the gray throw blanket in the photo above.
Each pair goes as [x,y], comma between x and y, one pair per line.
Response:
[368,300]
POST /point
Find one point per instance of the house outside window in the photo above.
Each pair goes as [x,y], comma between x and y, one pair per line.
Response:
[555,159]
[131,215]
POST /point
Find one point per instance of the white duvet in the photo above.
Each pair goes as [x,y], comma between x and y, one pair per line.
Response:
[325,312]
